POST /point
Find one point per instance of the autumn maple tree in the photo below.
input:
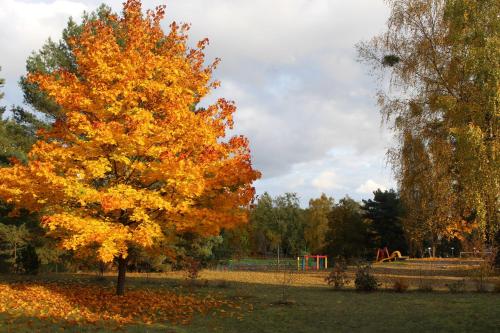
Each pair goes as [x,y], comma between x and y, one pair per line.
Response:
[132,160]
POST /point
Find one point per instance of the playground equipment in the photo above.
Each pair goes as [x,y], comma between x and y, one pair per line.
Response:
[383,255]
[312,262]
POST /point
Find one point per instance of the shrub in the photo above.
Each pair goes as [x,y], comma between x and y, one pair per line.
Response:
[482,273]
[29,260]
[496,287]
[193,268]
[400,286]
[457,287]
[365,281]
[287,279]
[338,276]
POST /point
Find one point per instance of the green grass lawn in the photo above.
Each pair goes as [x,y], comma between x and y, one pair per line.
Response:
[311,310]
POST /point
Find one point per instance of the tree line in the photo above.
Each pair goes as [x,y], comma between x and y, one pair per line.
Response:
[344,228]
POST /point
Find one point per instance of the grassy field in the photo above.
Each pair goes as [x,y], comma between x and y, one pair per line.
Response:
[249,302]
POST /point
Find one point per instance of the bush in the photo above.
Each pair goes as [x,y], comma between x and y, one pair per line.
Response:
[482,273]
[29,260]
[496,287]
[457,287]
[338,276]
[400,286]
[365,281]
[193,268]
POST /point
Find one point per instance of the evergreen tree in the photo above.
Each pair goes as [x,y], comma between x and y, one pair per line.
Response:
[385,211]
[348,234]
[20,232]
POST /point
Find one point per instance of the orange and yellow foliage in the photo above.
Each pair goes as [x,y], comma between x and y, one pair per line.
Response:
[132,159]
[76,303]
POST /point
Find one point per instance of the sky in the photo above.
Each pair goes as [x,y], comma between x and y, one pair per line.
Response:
[306,104]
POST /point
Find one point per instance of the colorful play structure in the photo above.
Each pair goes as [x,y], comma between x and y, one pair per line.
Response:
[383,255]
[312,262]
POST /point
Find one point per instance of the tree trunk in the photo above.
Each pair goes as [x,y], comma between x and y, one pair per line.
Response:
[122,269]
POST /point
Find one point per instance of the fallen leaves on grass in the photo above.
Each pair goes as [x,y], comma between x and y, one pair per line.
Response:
[77,303]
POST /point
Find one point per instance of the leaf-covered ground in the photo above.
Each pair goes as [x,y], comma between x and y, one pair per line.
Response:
[82,303]
[78,302]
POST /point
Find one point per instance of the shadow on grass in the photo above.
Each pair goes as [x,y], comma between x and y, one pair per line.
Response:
[314,309]
[81,300]
[27,324]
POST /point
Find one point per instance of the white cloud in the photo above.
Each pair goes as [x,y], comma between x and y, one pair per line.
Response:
[327,180]
[369,186]
[290,65]
[24,27]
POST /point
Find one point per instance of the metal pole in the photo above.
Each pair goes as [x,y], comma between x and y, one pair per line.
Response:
[278,255]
